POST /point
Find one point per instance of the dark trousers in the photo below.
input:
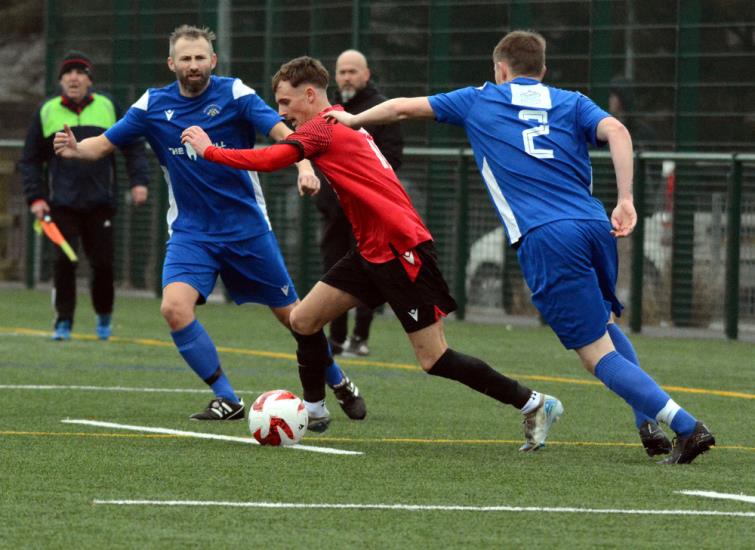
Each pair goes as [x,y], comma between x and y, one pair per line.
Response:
[94,230]
[337,240]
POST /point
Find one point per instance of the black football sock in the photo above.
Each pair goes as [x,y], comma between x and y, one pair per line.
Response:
[314,358]
[480,376]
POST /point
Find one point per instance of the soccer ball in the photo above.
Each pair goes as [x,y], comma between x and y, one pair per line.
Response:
[278,417]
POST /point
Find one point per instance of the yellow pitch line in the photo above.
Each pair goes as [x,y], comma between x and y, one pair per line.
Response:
[367,362]
[238,351]
[680,389]
[399,440]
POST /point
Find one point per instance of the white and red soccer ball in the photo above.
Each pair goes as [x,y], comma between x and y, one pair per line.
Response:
[278,417]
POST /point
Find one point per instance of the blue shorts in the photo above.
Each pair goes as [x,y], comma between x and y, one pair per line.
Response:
[571,268]
[252,270]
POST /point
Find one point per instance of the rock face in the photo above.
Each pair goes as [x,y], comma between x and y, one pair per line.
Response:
[22,82]
[22,57]
[24,73]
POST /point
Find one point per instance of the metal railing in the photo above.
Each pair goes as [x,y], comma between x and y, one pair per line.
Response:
[689,263]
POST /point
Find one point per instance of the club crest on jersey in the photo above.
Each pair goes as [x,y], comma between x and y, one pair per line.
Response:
[169,114]
[212,110]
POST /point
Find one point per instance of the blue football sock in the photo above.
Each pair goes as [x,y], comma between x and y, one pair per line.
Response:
[334,375]
[197,349]
[624,346]
[637,388]
[222,388]
[681,422]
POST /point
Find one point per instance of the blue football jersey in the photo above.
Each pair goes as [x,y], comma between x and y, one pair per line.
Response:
[208,201]
[530,143]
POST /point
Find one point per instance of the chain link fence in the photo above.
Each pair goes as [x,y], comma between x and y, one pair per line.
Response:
[678,74]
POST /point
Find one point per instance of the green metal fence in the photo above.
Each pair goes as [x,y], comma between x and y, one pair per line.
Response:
[682,69]
[689,263]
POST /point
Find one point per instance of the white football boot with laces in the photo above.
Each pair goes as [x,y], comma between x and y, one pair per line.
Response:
[538,423]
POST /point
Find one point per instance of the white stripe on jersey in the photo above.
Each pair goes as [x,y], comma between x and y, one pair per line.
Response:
[143,102]
[257,188]
[240,89]
[500,202]
[173,208]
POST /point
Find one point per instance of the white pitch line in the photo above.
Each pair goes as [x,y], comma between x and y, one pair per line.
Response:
[422,508]
[713,494]
[102,388]
[202,435]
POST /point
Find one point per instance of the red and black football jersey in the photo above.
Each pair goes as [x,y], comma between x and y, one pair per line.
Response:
[377,205]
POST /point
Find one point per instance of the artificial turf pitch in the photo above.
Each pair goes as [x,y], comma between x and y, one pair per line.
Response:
[438,467]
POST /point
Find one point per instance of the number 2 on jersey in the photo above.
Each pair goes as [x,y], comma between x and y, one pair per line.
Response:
[530,134]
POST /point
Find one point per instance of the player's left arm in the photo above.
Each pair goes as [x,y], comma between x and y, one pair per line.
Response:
[624,216]
[308,182]
[393,110]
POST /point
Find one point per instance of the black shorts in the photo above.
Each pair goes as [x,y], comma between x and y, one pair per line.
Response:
[411,284]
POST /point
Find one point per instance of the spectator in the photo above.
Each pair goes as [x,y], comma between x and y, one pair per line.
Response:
[621,106]
[79,196]
[357,93]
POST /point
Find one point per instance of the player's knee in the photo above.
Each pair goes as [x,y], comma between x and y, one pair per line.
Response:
[301,323]
[283,315]
[175,313]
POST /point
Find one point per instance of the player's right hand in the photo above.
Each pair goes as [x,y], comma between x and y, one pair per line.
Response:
[347,119]
[623,218]
[40,208]
[65,144]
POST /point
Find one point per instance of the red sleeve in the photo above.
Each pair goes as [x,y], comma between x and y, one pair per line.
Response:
[267,159]
[312,137]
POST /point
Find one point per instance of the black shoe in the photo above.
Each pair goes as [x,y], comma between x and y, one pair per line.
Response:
[686,449]
[318,424]
[355,346]
[654,439]
[348,397]
[221,409]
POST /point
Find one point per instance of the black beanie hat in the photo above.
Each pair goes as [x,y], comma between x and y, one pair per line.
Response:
[76,60]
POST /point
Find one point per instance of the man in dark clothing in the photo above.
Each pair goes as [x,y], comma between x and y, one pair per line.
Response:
[79,196]
[621,105]
[356,93]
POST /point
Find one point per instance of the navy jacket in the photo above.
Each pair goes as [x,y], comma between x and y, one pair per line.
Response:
[76,183]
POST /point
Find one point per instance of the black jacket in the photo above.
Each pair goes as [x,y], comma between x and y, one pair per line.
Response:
[388,138]
[76,183]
